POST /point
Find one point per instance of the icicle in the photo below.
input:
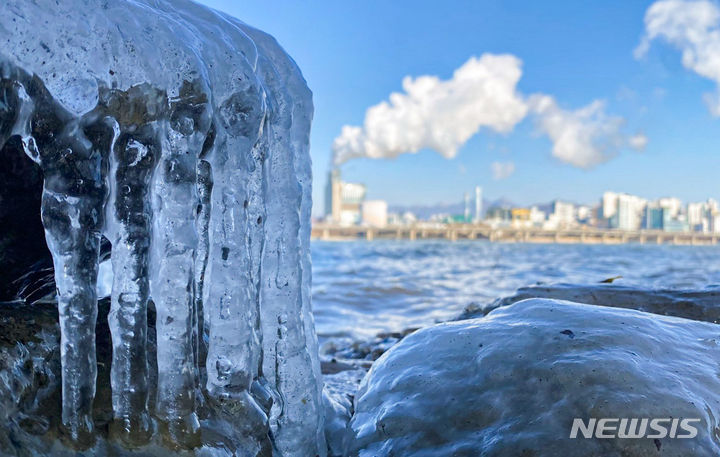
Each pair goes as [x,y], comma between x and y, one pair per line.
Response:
[204,191]
[132,161]
[231,307]
[289,363]
[72,215]
[72,233]
[210,223]
[74,192]
[174,240]
[300,136]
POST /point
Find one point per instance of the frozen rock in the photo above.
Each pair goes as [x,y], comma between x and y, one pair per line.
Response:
[180,135]
[511,383]
[338,411]
[30,382]
[701,305]
[29,378]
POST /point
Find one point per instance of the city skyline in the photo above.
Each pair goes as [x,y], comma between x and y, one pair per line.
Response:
[347,205]
[604,60]
[507,202]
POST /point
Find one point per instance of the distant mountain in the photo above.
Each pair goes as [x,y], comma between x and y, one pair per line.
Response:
[501,202]
[425,211]
[544,207]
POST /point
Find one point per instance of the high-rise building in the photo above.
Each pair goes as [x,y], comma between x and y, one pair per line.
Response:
[466,214]
[375,213]
[537,217]
[630,210]
[697,216]
[674,205]
[343,200]
[622,211]
[714,222]
[713,205]
[609,205]
[478,203]
[562,214]
[713,216]
[655,217]
[332,193]
[676,224]
[498,214]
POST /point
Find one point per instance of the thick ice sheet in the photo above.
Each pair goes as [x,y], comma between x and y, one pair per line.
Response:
[181,136]
[700,304]
[511,383]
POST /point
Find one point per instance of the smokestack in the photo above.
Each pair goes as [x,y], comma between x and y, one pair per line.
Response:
[478,203]
[332,195]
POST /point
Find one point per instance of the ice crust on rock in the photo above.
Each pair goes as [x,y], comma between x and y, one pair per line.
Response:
[181,135]
[512,382]
[701,305]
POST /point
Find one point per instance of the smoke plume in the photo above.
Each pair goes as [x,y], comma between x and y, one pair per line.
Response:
[439,115]
[442,115]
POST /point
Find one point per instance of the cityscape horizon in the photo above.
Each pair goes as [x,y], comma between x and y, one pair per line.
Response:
[346,204]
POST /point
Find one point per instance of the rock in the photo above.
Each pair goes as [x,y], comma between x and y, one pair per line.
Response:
[511,383]
[701,305]
[338,410]
[30,392]
[29,376]
[24,256]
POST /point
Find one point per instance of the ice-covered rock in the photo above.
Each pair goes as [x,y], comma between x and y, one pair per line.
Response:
[338,411]
[180,135]
[511,383]
[701,305]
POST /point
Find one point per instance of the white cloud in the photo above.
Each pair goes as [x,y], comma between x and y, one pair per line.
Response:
[638,141]
[694,28]
[502,170]
[585,137]
[439,115]
[444,115]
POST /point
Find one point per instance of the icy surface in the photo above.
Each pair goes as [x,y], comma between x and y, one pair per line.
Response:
[700,304]
[512,382]
[181,136]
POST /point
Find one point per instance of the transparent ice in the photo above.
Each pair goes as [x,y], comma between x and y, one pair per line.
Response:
[181,135]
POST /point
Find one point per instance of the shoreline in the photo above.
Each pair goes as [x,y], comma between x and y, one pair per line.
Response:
[337,233]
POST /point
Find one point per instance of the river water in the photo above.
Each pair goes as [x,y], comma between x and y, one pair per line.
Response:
[363,288]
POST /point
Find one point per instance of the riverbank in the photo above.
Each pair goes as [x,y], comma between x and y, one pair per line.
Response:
[455,232]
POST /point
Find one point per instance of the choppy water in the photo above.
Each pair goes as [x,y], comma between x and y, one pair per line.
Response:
[363,288]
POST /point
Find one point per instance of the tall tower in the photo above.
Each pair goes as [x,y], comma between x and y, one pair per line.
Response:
[333,201]
[478,203]
[467,208]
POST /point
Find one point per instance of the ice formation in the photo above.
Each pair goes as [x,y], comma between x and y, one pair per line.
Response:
[700,305]
[511,383]
[181,135]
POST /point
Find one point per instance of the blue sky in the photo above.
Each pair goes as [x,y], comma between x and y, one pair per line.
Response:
[354,54]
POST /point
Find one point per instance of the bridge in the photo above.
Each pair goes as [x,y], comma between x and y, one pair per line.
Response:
[454,232]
